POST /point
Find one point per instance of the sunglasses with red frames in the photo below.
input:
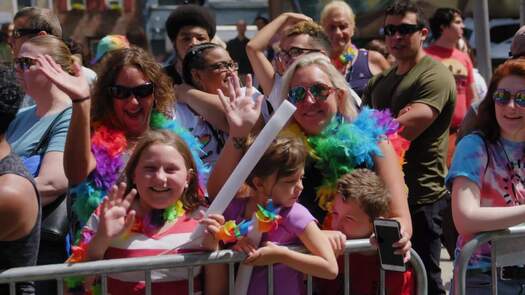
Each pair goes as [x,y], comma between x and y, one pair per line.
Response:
[318,91]
[24,63]
[123,92]
[502,97]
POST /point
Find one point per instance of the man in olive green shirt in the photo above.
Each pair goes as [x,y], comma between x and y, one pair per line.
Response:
[420,92]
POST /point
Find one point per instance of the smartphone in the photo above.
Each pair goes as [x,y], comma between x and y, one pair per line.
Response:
[387,232]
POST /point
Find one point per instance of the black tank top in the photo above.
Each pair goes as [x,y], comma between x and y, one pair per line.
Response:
[24,251]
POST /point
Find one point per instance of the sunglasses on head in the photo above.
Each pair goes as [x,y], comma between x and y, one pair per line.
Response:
[24,63]
[123,92]
[502,97]
[18,33]
[402,29]
[318,91]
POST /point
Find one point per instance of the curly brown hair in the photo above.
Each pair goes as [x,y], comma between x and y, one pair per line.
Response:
[486,119]
[365,187]
[108,71]
[191,199]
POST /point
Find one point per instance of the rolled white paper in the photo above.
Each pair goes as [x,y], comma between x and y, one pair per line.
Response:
[248,162]
[244,273]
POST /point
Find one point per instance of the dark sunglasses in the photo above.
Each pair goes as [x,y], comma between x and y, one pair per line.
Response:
[295,52]
[502,97]
[318,91]
[402,29]
[224,66]
[24,63]
[18,33]
[123,92]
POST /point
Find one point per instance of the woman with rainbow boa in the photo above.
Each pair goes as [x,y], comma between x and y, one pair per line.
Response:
[338,139]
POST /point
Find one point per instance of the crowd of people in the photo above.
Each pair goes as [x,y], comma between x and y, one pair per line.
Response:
[124,160]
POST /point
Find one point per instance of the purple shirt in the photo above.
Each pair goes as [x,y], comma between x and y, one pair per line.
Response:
[286,281]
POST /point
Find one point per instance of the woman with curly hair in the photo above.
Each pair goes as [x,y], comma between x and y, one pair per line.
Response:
[132,95]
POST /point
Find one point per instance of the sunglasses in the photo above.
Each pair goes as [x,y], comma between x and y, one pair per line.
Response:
[224,66]
[123,92]
[295,52]
[24,63]
[402,29]
[502,97]
[318,91]
[18,33]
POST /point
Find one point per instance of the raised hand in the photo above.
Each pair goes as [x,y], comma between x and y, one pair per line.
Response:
[241,111]
[116,217]
[75,86]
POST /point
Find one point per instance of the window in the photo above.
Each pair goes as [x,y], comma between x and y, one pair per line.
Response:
[25,3]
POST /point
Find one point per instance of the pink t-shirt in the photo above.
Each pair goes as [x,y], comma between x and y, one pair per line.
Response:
[461,67]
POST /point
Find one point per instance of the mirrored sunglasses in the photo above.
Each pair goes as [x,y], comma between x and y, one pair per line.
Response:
[502,97]
[318,91]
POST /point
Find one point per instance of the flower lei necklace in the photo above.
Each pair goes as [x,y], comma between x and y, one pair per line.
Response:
[268,219]
[343,146]
[345,58]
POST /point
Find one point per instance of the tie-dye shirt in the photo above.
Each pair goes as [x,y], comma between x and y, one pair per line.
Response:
[501,180]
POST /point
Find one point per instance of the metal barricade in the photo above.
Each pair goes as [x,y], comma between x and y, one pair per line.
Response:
[500,255]
[189,261]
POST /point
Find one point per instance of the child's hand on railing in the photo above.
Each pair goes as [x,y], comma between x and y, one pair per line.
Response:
[269,254]
[337,240]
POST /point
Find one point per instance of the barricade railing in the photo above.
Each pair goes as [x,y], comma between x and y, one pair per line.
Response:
[497,260]
[190,260]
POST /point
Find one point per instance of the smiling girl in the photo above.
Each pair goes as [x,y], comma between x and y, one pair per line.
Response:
[153,212]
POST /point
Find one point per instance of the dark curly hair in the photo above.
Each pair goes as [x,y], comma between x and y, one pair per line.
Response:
[108,71]
[11,96]
[190,15]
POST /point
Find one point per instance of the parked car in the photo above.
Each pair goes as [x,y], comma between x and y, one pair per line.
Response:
[501,32]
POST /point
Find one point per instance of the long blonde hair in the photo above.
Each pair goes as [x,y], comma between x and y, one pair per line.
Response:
[345,107]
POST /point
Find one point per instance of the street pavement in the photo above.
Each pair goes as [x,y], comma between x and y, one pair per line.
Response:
[446,269]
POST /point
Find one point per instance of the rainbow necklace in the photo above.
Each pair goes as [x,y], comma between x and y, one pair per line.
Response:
[346,58]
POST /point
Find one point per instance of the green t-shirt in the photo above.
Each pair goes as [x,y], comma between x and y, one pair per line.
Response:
[431,83]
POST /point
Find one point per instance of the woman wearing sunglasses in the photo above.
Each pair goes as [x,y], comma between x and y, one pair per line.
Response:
[47,121]
[357,65]
[338,140]
[208,67]
[487,176]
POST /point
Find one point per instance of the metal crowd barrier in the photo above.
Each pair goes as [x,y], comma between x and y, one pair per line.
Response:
[189,261]
[507,248]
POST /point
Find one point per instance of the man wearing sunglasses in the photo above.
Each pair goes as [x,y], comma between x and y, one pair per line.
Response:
[421,93]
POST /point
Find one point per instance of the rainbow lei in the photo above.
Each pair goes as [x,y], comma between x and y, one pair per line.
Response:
[343,146]
[268,219]
[108,147]
[346,57]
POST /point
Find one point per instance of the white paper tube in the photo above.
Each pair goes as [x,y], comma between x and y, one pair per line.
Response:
[244,273]
[248,162]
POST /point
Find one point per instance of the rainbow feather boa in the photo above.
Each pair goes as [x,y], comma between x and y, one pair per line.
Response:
[343,146]
[108,147]
[268,219]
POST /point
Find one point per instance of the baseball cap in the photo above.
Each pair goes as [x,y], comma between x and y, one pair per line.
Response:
[517,48]
[109,43]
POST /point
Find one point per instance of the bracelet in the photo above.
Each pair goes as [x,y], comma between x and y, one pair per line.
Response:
[81,99]
[239,142]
